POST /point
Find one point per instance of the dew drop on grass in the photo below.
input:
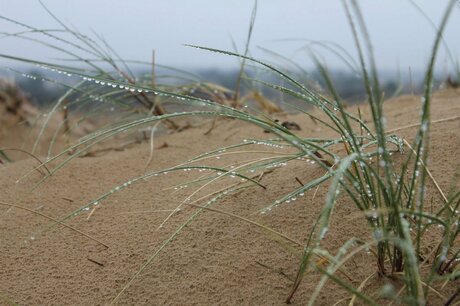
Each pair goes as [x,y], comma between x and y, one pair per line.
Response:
[323,233]
[374,214]
[424,126]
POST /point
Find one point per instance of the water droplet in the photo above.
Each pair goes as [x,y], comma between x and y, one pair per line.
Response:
[323,233]
[424,127]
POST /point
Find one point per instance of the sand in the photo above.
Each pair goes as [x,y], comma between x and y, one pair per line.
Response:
[218,259]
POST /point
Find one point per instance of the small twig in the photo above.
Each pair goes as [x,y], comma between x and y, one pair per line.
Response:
[232,134]
[118,148]
[314,194]
[263,174]
[248,221]
[299,181]
[322,159]
[213,125]
[341,300]
[279,271]
[54,220]
[152,133]
[428,172]
[96,262]
[452,298]
[39,207]
[65,115]
[360,288]
[397,295]
[146,211]
[91,213]
[33,156]
[418,124]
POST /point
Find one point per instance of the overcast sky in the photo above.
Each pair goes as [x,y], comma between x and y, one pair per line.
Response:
[401,35]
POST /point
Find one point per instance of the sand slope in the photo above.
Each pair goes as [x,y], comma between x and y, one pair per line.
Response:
[217,259]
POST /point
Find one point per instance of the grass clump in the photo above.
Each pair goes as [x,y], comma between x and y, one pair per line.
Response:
[358,162]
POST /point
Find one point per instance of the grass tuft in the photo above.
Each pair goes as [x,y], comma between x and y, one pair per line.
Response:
[359,162]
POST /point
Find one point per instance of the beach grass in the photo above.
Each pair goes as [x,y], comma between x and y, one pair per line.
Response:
[359,163]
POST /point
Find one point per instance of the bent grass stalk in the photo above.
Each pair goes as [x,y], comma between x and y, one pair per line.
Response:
[392,202]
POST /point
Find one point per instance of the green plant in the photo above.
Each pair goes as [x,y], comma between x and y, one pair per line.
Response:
[391,196]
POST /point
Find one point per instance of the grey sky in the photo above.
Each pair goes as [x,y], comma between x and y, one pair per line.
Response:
[402,37]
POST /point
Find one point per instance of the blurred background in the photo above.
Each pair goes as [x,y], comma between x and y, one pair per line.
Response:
[402,33]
